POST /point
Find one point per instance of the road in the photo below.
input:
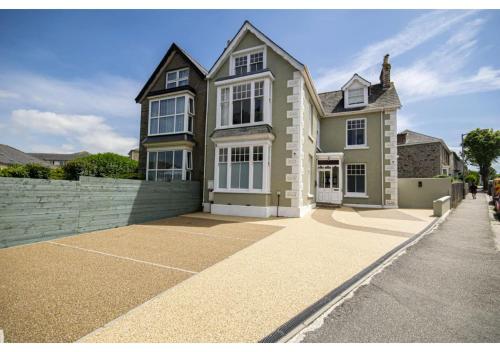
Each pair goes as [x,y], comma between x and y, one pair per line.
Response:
[446,288]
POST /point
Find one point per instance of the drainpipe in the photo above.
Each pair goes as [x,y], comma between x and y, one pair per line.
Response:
[278,206]
[382,126]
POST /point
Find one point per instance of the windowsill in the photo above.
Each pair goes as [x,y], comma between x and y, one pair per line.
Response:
[243,125]
[352,106]
[169,133]
[356,147]
[244,191]
[356,195]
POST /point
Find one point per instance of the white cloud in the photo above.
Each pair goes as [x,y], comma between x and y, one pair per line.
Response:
[417,32]
[104,95]
[82,132]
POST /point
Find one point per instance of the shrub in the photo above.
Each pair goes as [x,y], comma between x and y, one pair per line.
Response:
[37,171]
[57,174]
[14,171]
[101,165]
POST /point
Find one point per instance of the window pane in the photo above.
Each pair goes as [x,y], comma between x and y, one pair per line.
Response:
[360,183]
[154,109]
[360,136]
[183,82]
[351,184]
[245,111]
[170,104]
[356,96]
[191,106]
[237,112]
[162,160]
[257,175]
[258,110]
[169,157]
[171,85]
[163,107]
[179,123]
[183,74]
[153,126]
[180,105]
[350,137]
[244,175]
[152,160]
[177,175]
[235,175]
[190,123]
[163,125]
[171,76]
[188,161]
[151,175]
[178,159]
[169,124]
[222,175]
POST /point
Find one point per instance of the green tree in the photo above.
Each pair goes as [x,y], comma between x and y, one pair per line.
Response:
[482,148]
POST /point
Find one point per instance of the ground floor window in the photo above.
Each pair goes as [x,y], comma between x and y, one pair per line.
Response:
[356,179]
[169,165]
[242,167]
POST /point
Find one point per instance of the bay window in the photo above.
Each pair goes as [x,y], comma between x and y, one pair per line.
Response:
[242,104]
[169,165]
[242,168]
[171,115]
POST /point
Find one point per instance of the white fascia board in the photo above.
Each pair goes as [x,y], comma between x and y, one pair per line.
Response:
[251,138]
[358,78]
[260,36]
[250,77]
[364,111]
[312,90]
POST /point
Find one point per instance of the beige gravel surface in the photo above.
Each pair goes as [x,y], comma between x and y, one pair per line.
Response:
[253,292]
[58,291]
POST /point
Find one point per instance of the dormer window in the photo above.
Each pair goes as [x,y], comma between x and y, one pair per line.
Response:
[356,96]
[248,61]
[356,92]
[177,78]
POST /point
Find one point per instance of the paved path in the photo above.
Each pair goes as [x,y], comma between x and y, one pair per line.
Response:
[446,288]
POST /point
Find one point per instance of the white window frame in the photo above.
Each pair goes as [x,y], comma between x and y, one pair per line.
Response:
[247,53]
[266,170]
[312,176]
[356,146]
[318,132]
[356,194]
[187,95]
[267,100]
[185,168]
[355,84]
[176,81]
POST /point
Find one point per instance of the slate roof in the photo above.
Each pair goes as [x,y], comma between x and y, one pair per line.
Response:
[241,131]
[11,156]
[333,102]
[413,138]
[57,156]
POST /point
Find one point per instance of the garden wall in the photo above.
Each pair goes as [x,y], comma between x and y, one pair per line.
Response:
[419,193]
[35,210]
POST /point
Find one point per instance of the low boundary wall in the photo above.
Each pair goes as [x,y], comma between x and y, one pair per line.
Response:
[34,210]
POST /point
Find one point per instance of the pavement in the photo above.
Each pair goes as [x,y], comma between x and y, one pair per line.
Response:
[248,295]
[446,288]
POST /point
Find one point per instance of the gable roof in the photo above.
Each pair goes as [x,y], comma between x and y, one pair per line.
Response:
[413,137]
[11,156]
[356,77]
[247,26]
[59,156]
[173,48]
[378,98]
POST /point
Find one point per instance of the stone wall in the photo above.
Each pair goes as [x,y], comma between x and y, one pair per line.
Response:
[419,160]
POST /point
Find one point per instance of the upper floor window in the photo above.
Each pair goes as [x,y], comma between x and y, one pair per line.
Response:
[356,96]
[356,132]
[177,78]
[244,104]
[248,61]
[171,115]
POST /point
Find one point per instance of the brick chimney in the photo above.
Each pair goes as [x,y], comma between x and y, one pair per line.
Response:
[385,73]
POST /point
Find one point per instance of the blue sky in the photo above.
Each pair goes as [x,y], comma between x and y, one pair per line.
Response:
[68,79]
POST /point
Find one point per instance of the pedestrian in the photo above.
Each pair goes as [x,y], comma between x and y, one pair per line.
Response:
[473,190]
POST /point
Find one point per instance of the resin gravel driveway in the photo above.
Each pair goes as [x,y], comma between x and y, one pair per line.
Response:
[61,290]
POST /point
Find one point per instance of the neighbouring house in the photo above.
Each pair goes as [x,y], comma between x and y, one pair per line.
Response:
[458,165]
[134,154]
[11,156]
[274,146]
[172,132]
[420,155]
[58,159]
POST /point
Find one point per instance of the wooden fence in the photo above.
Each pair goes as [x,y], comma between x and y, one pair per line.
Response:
[35,210]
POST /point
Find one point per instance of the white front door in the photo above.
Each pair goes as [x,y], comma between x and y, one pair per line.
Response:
[329,184]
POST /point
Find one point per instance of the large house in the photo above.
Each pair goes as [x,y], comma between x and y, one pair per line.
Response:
[58,159]
[420,155]
[272,144]
[10,156]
